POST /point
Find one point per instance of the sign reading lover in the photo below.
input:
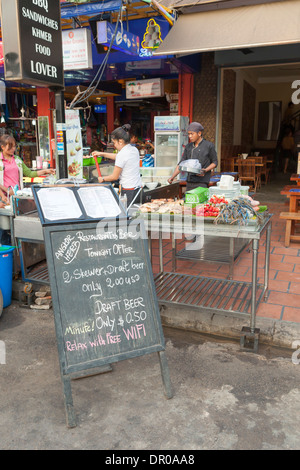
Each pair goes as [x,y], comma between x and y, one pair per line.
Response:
[32,42]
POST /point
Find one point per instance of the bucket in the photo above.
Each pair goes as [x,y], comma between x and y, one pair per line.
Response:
[6,273]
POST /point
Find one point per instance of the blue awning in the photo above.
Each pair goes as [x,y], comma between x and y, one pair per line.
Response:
[89,9]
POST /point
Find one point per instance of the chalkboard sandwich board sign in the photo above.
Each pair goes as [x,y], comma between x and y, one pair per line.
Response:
[104,298]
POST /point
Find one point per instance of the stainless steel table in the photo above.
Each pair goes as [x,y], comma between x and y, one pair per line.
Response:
[229,297]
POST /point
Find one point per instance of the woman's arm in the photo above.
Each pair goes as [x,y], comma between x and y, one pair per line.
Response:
[113,177]
[9,191]
[33,173]
[48,171]
[4,199]
[110,156]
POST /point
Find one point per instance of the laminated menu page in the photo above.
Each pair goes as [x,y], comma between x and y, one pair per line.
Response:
[98,202]
[59,204]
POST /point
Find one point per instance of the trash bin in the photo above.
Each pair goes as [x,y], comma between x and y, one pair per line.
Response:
[6,273]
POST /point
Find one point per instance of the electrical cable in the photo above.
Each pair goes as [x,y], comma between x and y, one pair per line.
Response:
[83,96]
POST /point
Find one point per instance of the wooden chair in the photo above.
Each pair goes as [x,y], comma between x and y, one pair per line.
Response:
[247,172]
[291,219]
[227,164]
[263,171]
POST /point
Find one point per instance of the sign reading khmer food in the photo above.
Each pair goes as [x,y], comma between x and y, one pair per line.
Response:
[32,42]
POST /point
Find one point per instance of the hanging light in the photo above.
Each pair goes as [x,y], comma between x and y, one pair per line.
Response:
[2,121]
[33,122]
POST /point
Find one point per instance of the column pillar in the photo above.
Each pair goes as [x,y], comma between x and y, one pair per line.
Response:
[110,107]
[45,99]
[186,95]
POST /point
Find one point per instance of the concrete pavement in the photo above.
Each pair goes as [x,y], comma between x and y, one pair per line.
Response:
[224,398]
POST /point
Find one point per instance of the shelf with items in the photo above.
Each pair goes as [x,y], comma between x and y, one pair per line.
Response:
[27,151]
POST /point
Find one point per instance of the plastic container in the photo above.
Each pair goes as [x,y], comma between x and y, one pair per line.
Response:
[91,161]
[226,182]
[244,190]
[227,193]
[148,160]
[6,273]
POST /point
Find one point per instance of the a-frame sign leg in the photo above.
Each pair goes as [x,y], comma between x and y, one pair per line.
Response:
[164,367]
[70,412]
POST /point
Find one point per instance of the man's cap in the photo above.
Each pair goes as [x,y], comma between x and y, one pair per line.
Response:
[195,127]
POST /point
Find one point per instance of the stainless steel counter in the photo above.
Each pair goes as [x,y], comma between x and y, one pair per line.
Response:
[205,293]
[28,227]
[27,236]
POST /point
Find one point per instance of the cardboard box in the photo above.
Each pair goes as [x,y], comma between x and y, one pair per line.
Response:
[197,195]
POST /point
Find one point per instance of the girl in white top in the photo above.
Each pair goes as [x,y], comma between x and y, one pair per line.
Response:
[127,163]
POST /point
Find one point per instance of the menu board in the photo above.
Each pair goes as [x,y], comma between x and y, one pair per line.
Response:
[103,294]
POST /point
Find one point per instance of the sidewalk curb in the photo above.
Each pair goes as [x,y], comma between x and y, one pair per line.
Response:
[273,332]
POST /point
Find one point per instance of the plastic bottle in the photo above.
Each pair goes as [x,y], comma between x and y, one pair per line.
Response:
[123,200]
[39,162]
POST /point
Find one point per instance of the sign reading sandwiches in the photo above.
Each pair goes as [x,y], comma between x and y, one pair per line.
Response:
[32,42]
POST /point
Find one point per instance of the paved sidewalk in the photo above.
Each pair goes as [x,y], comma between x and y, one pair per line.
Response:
[223,398]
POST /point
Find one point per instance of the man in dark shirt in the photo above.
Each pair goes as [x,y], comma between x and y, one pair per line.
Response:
[202,150]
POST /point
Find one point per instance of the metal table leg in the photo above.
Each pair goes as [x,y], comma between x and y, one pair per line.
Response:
[161,260]
[254,283]
[251,333]
[231,257]
[150,246]
[267,260]
[174,261]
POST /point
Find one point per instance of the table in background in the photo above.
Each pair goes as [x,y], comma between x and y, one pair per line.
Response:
[296,178]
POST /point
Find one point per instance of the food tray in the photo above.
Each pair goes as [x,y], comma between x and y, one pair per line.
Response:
[160,217]
[180,218]
[189,169]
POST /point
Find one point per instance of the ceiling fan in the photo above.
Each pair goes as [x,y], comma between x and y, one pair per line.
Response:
[22,117]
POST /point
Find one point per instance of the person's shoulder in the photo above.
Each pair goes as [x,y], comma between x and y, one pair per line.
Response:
[133,150]
[208,144]
[19,161]
[188,146]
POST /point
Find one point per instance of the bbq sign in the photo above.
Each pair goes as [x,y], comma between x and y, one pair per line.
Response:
[32,42]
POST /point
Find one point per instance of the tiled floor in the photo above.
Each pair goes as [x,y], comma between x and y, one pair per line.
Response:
[283,302]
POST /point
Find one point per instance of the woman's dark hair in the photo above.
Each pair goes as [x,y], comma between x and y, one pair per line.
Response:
[122,133]
[7,139]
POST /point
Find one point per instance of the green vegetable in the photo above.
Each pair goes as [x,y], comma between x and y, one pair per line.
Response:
[262,208]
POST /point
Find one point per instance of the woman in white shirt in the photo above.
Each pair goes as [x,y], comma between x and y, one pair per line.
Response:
[127,163]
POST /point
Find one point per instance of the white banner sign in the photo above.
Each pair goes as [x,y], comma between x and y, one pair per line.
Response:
[144,88]
[77,49]
[74,144]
